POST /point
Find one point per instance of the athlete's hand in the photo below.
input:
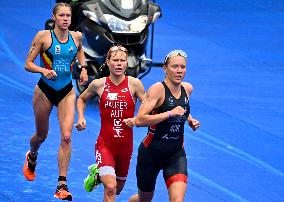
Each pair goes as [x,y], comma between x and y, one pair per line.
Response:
[177,111]
[49,74]
[81,124]
[130,122]
[83,77]
[193,123]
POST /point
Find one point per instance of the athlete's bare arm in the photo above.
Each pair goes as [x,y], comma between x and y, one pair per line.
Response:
[155,98]
[152,100]
[81,57]
[94,88]
[80,54]
[192,122]
[41,41]
[188,88]
[137,88]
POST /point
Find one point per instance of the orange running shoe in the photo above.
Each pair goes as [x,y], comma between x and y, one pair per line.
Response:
[63,193]
[29,168]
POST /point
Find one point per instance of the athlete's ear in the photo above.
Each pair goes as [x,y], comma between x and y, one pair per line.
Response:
[53,17]
[107,62]
[165,68]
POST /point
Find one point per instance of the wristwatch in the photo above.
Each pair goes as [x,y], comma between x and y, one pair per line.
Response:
[83,66]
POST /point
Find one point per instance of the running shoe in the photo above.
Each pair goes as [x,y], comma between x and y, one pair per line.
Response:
[63,193]
[92,180]
[29,168]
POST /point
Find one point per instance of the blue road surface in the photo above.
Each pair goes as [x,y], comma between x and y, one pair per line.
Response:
[236,65]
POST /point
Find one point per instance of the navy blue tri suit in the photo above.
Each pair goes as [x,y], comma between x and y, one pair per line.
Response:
[59,57]
[162,148]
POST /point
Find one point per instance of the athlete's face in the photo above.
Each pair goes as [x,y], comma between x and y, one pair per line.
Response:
[62,17]
[117,62]
[175,69]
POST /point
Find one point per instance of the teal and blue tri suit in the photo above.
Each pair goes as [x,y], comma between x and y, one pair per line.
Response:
[59,57]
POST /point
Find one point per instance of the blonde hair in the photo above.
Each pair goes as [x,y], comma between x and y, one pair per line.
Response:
[116,48]
[113,49]
[174,53]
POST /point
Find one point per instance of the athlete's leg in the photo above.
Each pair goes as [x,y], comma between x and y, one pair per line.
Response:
[141,197]
[42,109]
[175,175]
[106,164]
[120,185]
[145,196]
[134,198]
[66,112]
[109,182]
[177,191]
[122,162]
[147,170]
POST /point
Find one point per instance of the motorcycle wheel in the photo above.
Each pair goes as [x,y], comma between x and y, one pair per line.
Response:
[92,75]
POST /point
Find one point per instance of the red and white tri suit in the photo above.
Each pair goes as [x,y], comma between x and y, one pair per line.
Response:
[114,145]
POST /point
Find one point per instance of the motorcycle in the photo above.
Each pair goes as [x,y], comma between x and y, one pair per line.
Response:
[105,23]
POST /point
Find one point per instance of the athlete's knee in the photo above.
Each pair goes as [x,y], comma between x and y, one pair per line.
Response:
[176,196]
[110,188]
[66,138]
[177,199]
[40,137]
[134,198]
